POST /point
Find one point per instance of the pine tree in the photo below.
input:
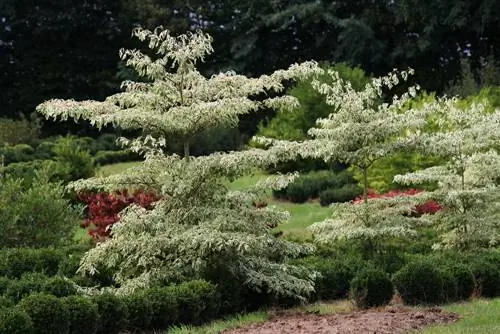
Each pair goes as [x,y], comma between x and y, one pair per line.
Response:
[359,131]
[199,229]
[468,184]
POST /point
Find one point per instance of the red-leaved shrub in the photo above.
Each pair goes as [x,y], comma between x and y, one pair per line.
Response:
[103,208]
[429,207]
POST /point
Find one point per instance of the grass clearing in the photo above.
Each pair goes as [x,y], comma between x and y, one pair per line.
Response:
[111,169]
[479,316]
[303,215]
[221,325]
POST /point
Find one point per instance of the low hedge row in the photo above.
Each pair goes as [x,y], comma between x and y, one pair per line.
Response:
[430,279]
[192,302]
[312,184]
[14,262]
[449,277]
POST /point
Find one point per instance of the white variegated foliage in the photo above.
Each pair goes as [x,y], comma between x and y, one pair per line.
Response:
[359,131]
[198,226]
[468,185]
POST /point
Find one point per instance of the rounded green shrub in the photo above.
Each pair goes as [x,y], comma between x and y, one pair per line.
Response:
[82,313]
[140,310]
[29,283]
[48,313]
[113,313]
[5,302]
[371,287]
[15,321]
[487,278]
[419,282]
[339,195]
[463,282]
[4,284]
[59,287]
[198,301]
[335,277]
[165,307]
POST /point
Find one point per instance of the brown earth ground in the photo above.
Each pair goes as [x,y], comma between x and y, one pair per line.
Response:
[374,321]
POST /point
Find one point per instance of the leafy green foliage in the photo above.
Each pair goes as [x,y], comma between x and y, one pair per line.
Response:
[13,132]
[371,287]
[310,185]
[59,286]
[113,313]
[28,283]
[140,310]
[420,282]
[15,321]
[48,313]
[83,314]
[38,216]
[335,275]
[16,261]
[343,194]
[74,162]
[165,306]
[293,125]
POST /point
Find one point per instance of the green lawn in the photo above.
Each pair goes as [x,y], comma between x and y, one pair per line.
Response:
[481,316]
[302,215]
[107,170]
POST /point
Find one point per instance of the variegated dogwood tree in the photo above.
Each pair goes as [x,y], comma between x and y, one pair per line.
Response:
[360,130]
[468,185]
[199,229]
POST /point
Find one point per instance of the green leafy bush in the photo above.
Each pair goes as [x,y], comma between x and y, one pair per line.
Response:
[165,307]
[74,162]
[140,310]
[198,301]
[485,267]
[15,321]
[5,302]
[29,283]
[16,153]
[420,282]
[16,261]
[82,313]
[310,185]
[38,216]
[461,282]
[113,313]
[371,287]
[20,131]
[59,286]
[48,313]
[4,284]
[339,195]
[336,274]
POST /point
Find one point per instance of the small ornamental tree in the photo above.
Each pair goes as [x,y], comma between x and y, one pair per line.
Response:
[199,229]
[360,131]
[468,184]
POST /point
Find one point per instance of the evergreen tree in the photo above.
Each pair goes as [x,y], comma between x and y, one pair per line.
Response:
[199,229]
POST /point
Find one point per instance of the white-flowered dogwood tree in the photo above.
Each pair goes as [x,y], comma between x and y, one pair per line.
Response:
[468,185]
[199,229]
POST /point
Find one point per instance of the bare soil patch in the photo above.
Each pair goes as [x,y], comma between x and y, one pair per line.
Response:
[393,320]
